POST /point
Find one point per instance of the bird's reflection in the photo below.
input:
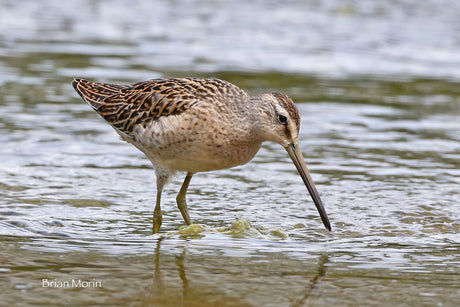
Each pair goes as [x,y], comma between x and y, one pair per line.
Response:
[309,295]
[167,290]
[157,280]
[158,284]
[181,267]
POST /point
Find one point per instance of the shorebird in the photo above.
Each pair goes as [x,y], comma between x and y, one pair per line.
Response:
[197,125]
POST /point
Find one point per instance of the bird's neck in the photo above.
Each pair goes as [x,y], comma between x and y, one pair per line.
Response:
[261,115]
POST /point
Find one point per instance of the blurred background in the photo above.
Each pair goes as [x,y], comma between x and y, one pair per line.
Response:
[391,39]
[378,87]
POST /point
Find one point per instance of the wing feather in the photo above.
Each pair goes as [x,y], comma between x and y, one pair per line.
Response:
[125,106]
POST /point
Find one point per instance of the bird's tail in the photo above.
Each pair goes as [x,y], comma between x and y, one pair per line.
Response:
[107,100]
[98,94]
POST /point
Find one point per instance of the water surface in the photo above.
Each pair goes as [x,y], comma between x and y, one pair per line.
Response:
[382,142]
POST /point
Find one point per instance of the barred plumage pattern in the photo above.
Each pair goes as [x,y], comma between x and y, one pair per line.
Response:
[125,106]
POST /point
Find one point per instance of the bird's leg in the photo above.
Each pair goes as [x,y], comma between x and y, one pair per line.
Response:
[181,202]
[157,216]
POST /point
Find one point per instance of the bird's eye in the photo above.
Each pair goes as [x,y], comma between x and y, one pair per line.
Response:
[282,119]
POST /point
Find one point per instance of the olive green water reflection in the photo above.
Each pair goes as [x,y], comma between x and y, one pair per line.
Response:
[222,271]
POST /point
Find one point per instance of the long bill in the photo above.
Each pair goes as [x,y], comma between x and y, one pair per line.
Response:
[297,157]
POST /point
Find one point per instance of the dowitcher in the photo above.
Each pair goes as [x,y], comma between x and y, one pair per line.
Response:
[197,125]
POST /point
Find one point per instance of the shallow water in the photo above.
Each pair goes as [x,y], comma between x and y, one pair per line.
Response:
[382,142]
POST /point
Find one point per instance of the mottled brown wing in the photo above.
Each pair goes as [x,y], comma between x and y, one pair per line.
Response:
[125,106]
[149,100]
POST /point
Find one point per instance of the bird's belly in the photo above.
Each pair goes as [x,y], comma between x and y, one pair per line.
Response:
[195,152]
[202,158]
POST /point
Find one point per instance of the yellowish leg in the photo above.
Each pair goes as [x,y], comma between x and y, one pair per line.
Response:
[157,216]
[181,202]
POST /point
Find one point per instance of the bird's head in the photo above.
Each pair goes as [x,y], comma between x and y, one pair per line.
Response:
[280,123]
[280,118]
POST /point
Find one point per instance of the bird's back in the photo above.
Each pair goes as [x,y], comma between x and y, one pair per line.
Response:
[126,106]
